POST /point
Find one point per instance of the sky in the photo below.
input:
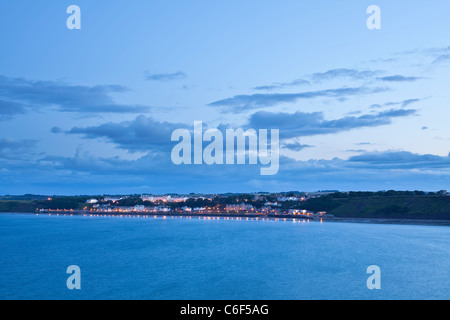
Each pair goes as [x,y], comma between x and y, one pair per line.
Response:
[91,111]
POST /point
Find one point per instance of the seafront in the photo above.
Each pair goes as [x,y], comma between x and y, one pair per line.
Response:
[394,207]
[209,216]
[251,217]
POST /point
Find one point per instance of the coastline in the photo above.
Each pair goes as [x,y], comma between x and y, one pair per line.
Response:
[249,216]
[421,222]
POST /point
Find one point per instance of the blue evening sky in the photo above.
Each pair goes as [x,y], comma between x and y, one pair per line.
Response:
[91,111]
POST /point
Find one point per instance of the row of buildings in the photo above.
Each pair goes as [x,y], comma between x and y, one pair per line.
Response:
[172,204]
[150,198]
[178,199]
[242,208]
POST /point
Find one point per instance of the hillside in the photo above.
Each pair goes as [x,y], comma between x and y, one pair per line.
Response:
[17,206]
[395,207]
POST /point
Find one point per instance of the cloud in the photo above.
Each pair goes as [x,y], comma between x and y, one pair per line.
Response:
[407,102]
[8,109]
[444,58]
[399,78]
[280,85]
[141,134]
[146,134]
[85,173]
[402,160]
[403,103]
[18,95]
[165,76]
[242,103]
[440,55]
[296,146]
[356,150]
[307,124]
[353,74]
[56,130]
[16,149]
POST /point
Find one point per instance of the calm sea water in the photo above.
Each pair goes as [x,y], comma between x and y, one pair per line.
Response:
[137,258]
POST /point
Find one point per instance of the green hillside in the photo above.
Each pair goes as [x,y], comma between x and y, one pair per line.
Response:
[17,206]
[396,207]
[30,205]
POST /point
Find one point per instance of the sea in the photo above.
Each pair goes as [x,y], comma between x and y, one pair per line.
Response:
[181,258]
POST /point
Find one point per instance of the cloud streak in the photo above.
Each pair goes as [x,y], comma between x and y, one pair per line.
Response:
[280,85]
[8,109]
[302,124]
[402,160]
[18,95]
[399,78]
[353,74]
[16,149]
[296,146]
[241,103]
[141,134]
[145,134]
[165,76]
[403,103]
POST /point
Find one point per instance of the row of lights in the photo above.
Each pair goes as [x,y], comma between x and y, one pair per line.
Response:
[187,217]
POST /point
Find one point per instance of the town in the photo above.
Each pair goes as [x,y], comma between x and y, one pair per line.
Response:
[243,205]
[326,204]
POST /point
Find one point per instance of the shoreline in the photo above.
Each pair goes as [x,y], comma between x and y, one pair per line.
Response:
[420,222]
[251,216]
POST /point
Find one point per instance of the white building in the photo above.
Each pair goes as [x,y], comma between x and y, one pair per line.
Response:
[177,199]
[162,209]
[113,199]
[239,207]
[139,207]
[283,199]
[145,197]
[272,204]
